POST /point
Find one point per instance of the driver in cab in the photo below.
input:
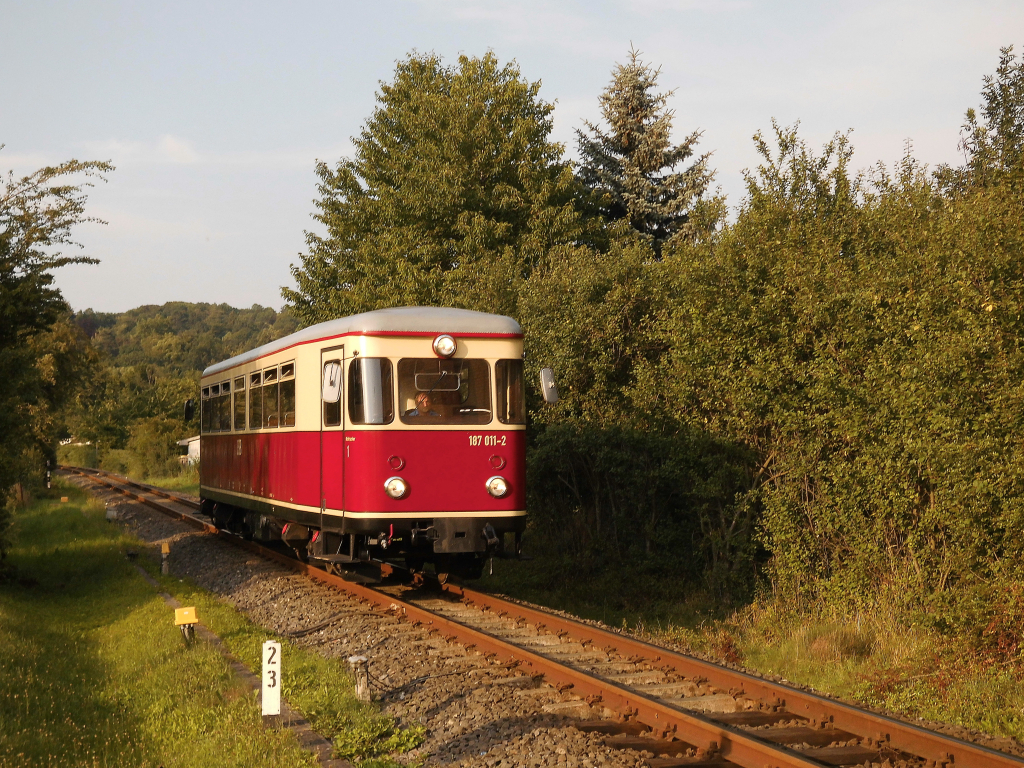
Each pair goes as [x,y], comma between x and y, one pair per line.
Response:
[424,406]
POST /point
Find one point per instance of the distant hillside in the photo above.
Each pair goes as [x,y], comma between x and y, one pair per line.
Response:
[130,411]
[180,337]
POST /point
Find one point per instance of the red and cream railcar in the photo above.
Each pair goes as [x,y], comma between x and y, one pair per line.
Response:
[395,433]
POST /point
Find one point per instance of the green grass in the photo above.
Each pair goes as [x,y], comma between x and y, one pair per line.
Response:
[186,482]
[95,673]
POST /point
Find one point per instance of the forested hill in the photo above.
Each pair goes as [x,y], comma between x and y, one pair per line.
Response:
[180,337]
[144,364]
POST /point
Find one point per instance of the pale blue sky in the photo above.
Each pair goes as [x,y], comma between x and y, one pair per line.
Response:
[215,113]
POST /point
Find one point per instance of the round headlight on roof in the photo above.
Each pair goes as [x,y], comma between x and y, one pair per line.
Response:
[445,345]
[497,486]
[396,487]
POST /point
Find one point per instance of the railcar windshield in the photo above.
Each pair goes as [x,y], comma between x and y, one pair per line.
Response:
[433,391]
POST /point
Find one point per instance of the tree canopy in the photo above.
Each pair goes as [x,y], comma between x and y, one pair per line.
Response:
[454,194]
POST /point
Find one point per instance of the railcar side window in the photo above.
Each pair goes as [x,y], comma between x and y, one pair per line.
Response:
[331,393]
[288,395]
[214,405]
[371,398]
[207,414]
[270,387]
[239,403]
[432,391]
[224,406]
[508,375]
[255,400]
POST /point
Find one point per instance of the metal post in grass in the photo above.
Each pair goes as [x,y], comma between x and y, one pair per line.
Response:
[361,672]
[165,554]
[271,693]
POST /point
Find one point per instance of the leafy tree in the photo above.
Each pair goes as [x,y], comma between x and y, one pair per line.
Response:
[37,215]
[863,342]
[631,167]
[454,194]
[993,141]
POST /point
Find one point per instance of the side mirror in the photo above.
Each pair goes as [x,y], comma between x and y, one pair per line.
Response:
[190,409]
[331,392]
[548,388]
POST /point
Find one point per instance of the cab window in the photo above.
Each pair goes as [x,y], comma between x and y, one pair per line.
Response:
[432,391]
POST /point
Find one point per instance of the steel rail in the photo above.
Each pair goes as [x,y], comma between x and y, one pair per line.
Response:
[896,734]
[704,733]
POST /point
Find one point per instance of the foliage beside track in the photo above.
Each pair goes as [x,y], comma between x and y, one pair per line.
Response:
[819,399]
[149,362]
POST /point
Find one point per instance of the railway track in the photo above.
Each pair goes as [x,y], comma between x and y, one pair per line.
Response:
[681,710]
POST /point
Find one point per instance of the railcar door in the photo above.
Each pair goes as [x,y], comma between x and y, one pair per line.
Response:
[332,436]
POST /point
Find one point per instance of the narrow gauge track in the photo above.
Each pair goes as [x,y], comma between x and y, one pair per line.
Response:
[690,712]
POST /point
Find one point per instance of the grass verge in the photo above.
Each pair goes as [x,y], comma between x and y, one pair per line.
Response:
[186,482]
[318,687]
[96,673]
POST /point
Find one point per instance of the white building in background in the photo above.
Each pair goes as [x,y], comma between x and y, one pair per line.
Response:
[191,455]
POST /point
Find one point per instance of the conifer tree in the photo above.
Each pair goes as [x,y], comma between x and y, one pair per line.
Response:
[632,166]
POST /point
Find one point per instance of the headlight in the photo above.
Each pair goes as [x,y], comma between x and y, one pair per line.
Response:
[445,345]
[396,487]
[497,486]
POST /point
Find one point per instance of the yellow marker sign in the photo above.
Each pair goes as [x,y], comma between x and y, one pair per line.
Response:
[185,616]
[165,548]
[63,499]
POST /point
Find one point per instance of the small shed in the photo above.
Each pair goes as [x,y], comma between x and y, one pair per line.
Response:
[191,453]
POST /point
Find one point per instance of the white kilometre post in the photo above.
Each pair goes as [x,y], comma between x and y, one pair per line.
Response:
[271,678]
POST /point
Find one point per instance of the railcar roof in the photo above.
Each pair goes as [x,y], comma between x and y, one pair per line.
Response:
[396,320]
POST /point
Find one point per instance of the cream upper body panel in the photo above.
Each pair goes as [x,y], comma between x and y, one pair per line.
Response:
[307,355]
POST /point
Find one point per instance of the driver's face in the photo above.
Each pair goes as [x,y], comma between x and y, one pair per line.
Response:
[423,400]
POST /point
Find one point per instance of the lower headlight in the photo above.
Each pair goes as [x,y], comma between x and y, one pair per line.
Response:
[497,486]
[396,487]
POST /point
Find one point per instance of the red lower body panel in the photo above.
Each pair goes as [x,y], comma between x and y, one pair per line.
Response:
[446,471]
